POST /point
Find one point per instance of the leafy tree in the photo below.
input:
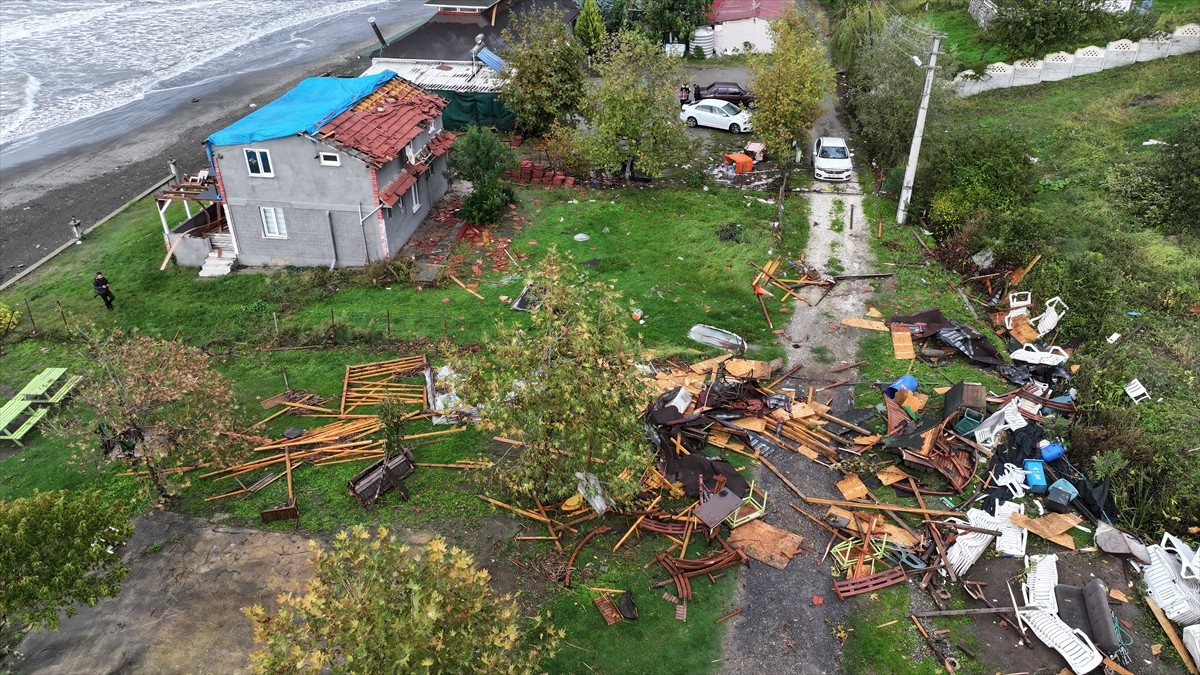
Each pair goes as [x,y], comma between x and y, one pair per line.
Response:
[790,82]
[674,18]
[885,91]
[589,27]
[1031,28]
[566,383]
[544,78]
[633,113]
[616,15]
[162,404]
[377,606]
[57,552]
[9,318]
[482,159]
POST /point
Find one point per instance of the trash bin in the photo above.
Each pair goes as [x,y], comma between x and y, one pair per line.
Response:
[970,420]
[1036,477]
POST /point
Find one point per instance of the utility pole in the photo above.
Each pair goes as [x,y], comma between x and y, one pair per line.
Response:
[910,171]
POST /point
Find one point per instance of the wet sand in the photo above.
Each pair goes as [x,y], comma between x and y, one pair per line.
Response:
[39,199]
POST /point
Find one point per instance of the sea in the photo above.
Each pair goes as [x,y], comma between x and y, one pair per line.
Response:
[78,71]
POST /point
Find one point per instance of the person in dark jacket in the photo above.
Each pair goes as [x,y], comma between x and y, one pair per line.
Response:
[100,285]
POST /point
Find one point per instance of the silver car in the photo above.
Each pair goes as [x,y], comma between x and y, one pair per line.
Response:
[831,159]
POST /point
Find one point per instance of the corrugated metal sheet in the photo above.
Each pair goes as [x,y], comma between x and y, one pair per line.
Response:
[443,75]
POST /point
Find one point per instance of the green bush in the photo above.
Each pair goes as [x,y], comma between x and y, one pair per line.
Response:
[1031,28]
[972,174]
[1178,170]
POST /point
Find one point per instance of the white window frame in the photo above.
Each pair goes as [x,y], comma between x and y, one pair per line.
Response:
[330,159]
[411,151]
[415,191]
[276,221]
[261,153]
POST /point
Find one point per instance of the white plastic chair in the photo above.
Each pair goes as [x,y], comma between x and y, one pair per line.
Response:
[1040,579]
[1073,645]
[1178,597]
[1012,478]
[1012,316]
[969,546]
[1013,538]
[1054,356]
[1189,560]
[1008,417]
[1020,299]
[1137,391]
[1049,318]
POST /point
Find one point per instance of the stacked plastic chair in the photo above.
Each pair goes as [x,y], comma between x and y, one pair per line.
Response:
[1072,644]
[1013,538]
[969,546]
[1170,580]
[1041,576]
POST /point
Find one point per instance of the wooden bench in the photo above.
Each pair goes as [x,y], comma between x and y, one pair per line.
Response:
[51,386]
[12,426]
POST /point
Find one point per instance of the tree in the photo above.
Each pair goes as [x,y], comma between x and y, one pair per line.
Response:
[57,553]
[377,606]
[480,157]
[616,15]
[161,407]
[544,78]
[589,27]
[566,383]
[1031,28]
[790,83]
[633,114]
[885,91]
[674,18]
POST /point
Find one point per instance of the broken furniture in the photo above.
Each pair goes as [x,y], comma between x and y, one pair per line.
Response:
[1048,320]
[970,545]
[1178,596]
[1086,609]
[1073,645]
[1041,576]
[1012,539]
[1054,356]
[741,163]
[756,150]
[1137,391]
[374,481]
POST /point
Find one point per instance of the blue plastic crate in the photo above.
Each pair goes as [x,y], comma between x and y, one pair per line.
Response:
[1036,480]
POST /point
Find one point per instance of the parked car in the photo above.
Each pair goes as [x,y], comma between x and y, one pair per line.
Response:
[831,159]
[710,112]
[724,91]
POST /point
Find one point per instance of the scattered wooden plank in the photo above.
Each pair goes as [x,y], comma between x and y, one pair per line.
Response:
[868,324]
[766,543]
[1051,527]
[891,474]
[1173,636]
[852,487]
[902,345]
[880,507]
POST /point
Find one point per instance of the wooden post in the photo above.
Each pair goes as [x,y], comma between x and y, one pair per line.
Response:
[275,318]
[852,217]
[389,322]
[30,313]
[332,326]
[62,314]
[880,234]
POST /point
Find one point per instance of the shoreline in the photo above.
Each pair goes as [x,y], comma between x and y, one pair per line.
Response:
[38,199]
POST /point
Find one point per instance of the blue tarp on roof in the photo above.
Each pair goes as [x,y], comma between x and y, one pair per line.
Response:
[307,107]
[491,60]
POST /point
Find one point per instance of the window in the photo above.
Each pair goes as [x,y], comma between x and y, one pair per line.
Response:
[259,163]
[273,225]
[330,159]
[416,196]
[410,150]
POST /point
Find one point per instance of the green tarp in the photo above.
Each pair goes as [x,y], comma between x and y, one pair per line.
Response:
[482,108]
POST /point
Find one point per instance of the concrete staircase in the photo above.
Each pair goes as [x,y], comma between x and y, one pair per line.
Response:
[222,259]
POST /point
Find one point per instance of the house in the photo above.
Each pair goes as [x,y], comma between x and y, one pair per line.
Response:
[336,172]
[734,23]
[454,54]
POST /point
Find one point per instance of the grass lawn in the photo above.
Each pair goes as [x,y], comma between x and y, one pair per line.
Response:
[658,246]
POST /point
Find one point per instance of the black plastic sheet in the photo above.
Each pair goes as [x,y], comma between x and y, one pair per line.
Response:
[971,343]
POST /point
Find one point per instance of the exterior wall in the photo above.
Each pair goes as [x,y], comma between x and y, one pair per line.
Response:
[311,195]
[404,221]
[730,35]
[1061,65]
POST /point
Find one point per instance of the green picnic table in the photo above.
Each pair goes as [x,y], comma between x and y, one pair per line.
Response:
[17,417]
[51,386]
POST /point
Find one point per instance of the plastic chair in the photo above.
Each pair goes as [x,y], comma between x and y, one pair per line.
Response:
[1189,559]
[1137,391]
[1013,538]
[1049,318]
[1054,356]
[1012,315]
[1040,579]
[1073,645]
[1178,597]
[969,546]
[1020,299]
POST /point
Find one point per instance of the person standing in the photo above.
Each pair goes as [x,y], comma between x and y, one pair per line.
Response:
[100,285]
[684,94]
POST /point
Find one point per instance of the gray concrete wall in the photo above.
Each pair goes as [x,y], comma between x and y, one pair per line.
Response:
[403,221]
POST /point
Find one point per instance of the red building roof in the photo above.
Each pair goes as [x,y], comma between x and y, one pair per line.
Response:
[377,128]
[732,10]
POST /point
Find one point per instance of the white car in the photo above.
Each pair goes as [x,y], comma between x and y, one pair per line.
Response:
[711,112]
[831,159]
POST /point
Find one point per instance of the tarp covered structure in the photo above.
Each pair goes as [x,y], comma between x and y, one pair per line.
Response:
[305,108]
[482,108]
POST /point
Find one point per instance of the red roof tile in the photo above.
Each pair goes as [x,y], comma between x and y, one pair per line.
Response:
[438,145]
[732,10]
[377,128]
[393,191]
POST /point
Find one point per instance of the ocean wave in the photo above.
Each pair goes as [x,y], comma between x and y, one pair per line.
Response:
[89,58]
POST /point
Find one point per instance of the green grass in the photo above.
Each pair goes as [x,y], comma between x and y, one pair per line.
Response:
[964,38]
[872,650]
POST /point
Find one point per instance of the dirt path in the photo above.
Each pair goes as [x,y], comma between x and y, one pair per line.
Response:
[780,629]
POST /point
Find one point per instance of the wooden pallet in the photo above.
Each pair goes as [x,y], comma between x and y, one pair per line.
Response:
[853,587]
[608,609]
[902,345]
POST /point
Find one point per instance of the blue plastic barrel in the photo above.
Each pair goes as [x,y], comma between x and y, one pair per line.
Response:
[1052,452]
[906,382]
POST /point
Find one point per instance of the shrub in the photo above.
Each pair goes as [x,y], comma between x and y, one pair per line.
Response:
[375,605]
[9,318]
[1178,170]
[1031,28]
[480,157]
[972,174]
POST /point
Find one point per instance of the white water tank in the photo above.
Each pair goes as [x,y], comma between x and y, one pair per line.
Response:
[704,39]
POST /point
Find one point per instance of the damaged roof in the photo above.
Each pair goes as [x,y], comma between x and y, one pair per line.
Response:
[377,128]
[733,10]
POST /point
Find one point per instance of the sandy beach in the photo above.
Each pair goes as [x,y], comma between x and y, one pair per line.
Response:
[39,199]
